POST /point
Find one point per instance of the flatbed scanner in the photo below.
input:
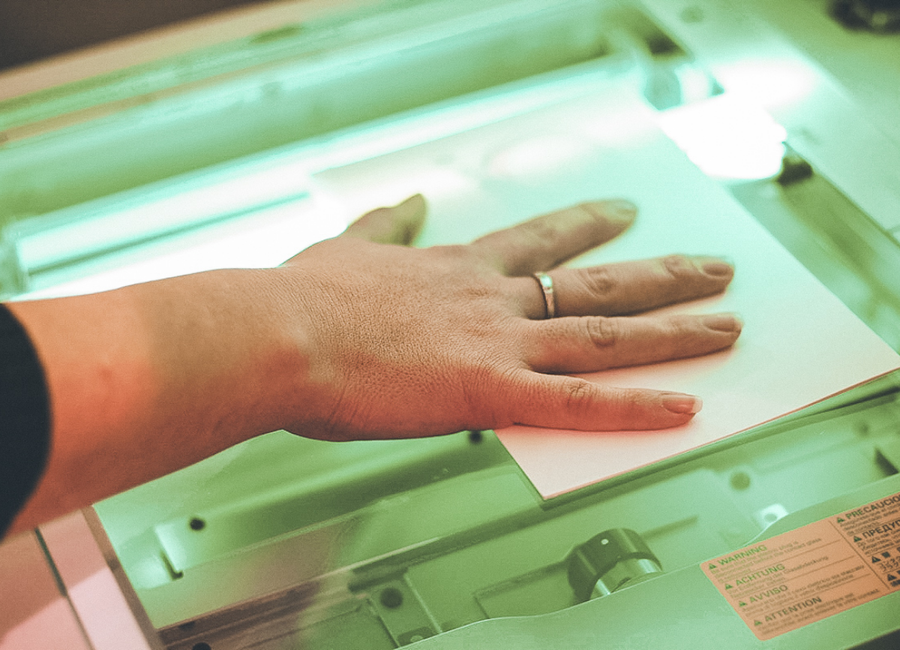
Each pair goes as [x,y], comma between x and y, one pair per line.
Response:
[239,139]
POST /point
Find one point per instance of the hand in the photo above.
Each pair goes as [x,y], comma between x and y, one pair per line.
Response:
[360,337]
[406,342]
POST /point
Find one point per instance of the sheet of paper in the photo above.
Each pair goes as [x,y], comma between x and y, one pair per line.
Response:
[800,344]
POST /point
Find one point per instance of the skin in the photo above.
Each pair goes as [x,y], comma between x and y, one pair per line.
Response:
[361,337]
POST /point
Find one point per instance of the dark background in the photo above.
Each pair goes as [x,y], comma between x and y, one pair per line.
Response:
[31,30]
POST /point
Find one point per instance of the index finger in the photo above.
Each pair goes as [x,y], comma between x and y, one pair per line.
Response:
[547,241]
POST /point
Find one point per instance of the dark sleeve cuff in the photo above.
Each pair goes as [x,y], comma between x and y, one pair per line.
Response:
[24,418]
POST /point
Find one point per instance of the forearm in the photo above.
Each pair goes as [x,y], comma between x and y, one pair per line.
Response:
[151,378]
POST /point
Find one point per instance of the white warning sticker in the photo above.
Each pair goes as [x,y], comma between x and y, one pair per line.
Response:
[807,574]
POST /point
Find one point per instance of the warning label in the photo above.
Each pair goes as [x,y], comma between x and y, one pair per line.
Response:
[815,571]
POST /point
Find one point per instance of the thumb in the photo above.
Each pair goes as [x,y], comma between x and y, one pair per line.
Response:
[395,225]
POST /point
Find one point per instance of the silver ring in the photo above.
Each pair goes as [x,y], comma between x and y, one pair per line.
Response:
[546,283]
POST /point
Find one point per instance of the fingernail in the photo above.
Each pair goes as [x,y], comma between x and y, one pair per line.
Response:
[681,403]
[715,267]
[723,322]
[620,210]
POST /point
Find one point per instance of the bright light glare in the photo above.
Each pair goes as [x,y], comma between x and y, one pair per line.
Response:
[769,83]
[727,138]
[114,223]
[265,239]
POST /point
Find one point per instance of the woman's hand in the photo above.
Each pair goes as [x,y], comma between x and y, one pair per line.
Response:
[406,342]
[361,337]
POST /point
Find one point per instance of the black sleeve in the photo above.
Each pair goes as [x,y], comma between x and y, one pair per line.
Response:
[24,418]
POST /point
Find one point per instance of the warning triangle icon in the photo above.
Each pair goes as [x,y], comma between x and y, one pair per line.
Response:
[891,577]
[875,559]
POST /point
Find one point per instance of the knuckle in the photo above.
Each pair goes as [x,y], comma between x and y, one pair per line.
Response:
[598,280]
[536,234]
[684,325]
[598,217]
[678,266]
[543,233]
[676,337]
[602,332]
[539,230]
[579,397]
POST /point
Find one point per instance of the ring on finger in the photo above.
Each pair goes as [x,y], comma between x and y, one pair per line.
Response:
[546,283]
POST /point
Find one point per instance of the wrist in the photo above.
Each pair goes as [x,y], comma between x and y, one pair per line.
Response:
[228,348]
